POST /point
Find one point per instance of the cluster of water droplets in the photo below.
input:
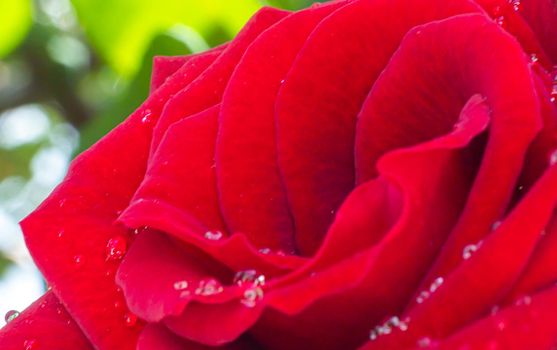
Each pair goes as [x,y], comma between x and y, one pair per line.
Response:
[553,92]
[213,235]
[470,249]
[428,292]
[253,283]
[499,11]
[388,327]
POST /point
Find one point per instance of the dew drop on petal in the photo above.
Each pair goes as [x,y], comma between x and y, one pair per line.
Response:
[424,342]
[470,249]
[116,248]
[265,251]
[60,234]
[252,296]
[523,301]
[213,235]
[78,260]
[146,118]
[422,297]
[436,284]
[30,344]
[130,319]
[496,225]
[553,158]
[181,285]
[393,323]
[516,5]
[11,315]
[494,310]
[209,287]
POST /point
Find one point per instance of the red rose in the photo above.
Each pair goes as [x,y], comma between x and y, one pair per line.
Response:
[367,173]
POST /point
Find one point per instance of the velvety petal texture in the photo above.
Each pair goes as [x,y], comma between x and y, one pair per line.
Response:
[374,174]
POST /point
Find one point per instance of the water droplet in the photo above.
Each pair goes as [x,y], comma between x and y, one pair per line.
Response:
[424,342]
[116,248]
[501,325]
[534,58]
[252,296]
[553,158]
[78,260]
[516,5]
[525,300]
[494,310]
[11,315]
[500,20]
[436,284]
[30,344]
[138,230]
[179,285]
[209,287]
[146,116]
[495,225]
[60,234]
[61,203]
[388,326]
[470,249]
[213,235]
[265,251]
[282,82]
[248,277]
[422,297]
[130,319]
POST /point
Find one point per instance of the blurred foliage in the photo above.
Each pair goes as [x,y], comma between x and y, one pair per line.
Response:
[4,263]
[15,16]
[79,67]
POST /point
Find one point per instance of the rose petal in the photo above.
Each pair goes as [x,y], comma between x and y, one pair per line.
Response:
[377,281]
[153,295]
[43,325]
[251,191]
[166,66]
[207,90]
[516,120]
[321,96]
[531,324]
[156,336]
[542,267]
[181,172]
[68,234]
[481,281]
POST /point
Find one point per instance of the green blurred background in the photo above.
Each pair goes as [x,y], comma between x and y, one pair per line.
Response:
[70,70]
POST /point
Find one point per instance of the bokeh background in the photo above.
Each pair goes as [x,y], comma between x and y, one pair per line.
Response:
[71,70]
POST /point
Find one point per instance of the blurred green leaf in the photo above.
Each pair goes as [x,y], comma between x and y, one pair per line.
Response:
[291,4]
[136,92]
[4,264]
[122,29]
[15,20]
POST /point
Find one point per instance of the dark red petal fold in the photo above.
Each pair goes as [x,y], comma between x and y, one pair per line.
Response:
[44,325]
[316,107]
[251,190]
[365,287]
